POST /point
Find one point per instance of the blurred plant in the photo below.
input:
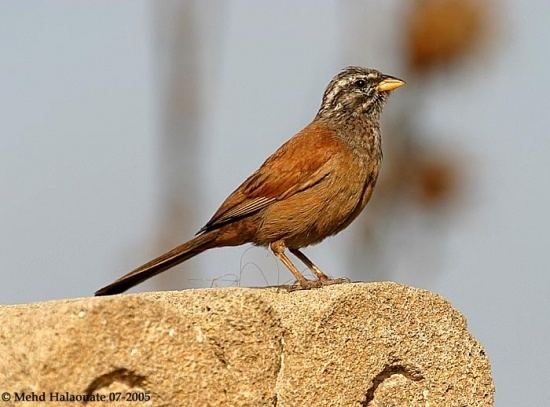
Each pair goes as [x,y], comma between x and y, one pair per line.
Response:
[443,32]
[438,37]
[436,180]
[430,178]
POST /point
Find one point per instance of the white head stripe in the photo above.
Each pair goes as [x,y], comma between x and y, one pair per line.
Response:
[338,86]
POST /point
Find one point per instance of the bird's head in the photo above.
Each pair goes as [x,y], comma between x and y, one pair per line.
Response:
[356,91]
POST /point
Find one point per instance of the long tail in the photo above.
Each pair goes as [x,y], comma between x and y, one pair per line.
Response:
[161,263]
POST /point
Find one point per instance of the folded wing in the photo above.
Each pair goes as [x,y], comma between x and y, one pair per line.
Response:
[297,165]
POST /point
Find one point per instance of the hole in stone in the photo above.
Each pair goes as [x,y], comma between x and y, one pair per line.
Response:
[121,376]
[408,372]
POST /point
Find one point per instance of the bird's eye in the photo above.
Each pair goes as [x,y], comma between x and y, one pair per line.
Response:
[360,83]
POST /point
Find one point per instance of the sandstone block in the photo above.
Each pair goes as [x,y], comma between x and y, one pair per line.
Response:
[375,345]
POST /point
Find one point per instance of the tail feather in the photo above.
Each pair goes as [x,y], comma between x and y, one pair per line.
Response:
[169,259]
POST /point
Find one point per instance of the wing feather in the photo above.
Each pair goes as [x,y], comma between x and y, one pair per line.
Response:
[300,163]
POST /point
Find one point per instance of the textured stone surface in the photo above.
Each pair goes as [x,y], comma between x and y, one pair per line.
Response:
[376,345]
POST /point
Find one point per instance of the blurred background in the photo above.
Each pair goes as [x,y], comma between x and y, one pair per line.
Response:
[125,124]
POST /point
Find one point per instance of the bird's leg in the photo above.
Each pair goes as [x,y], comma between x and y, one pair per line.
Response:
[278,249]
[323,278]
[310,265]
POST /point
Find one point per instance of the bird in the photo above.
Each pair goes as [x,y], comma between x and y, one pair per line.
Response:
[311,188]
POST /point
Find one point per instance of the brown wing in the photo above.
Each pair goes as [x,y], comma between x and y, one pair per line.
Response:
[297,165]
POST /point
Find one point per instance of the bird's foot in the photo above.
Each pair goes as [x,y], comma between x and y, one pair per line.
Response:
[310,284]
[332,281]
[305,285]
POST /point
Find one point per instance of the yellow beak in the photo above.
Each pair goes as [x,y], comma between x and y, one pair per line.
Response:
[389,83]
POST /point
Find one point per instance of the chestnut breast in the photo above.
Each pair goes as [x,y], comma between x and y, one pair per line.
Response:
[325,208]
[310,188]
